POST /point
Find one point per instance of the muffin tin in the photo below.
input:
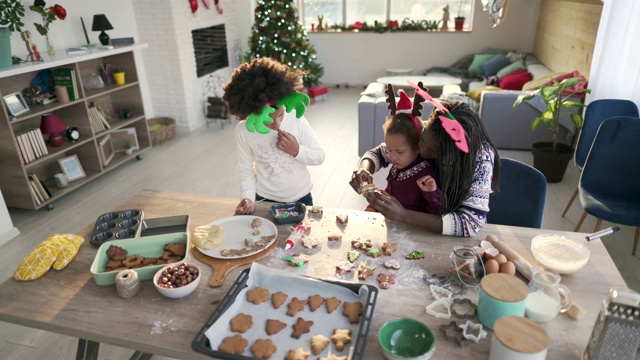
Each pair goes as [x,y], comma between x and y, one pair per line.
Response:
[116,225]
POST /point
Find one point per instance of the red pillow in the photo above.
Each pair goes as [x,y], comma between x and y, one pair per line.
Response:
[577,88]
[515,80]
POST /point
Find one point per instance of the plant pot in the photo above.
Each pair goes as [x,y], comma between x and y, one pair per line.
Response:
[458,23]
[128,151]
[5,47]
[551,164]
[118,78]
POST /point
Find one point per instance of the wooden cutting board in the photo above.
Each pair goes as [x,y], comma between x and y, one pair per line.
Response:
[221,267]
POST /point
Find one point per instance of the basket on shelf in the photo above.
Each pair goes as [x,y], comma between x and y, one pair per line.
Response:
[161,129]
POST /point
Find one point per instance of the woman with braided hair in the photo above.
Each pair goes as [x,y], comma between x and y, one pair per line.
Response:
[272,164]
[467,178]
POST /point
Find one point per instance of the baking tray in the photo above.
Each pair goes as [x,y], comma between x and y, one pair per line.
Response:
[164,225]
[201,342]
[116,225]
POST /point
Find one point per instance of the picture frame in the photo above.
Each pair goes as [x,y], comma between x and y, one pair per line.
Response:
[120,136]
[71,166]
[15,103]
[106,150]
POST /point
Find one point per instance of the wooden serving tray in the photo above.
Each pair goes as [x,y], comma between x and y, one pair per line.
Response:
[221,267]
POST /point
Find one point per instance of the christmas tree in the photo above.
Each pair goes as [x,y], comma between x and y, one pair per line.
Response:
[278,34]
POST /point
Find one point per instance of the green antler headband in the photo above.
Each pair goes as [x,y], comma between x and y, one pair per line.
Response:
[297,101]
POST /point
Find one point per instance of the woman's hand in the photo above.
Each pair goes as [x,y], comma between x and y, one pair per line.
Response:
[245,207]
[359,177]
[427,184]
[386,205]
[287,143]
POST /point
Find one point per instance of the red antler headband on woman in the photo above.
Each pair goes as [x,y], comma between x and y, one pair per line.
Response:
[449,122]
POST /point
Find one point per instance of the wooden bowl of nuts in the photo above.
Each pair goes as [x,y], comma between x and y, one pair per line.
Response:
[177,280]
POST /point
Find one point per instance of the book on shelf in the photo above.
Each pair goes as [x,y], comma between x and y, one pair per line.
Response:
[101,117]
[77,50]
[39,193]
[66,77]
[46,195]
[28,149]
[96,123]
[39,139]
[21,148]
[34,144]
[34,192]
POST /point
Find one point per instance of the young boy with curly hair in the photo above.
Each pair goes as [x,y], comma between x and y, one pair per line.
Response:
[275,141]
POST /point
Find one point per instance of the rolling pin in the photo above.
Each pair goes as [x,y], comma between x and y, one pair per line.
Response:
[525,268]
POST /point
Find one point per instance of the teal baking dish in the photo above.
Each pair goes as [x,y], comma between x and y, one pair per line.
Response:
[148,246]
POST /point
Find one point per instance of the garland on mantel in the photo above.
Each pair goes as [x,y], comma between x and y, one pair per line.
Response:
[390,26]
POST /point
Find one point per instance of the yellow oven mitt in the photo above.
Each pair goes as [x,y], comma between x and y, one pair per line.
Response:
[57,250]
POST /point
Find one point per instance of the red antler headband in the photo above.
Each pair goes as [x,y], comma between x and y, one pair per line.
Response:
[405,107]
[449,122]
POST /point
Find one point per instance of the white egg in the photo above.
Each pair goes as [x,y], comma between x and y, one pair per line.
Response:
[486,245]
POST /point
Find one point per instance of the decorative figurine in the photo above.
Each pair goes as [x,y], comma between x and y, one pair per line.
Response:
[320,26]
[34,54]
[445,19]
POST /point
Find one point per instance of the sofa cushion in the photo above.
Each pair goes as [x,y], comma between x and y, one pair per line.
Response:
[578,88]
[515,80]
[476,93]
[510,68]
[491,66]
[479,59]
[537,83]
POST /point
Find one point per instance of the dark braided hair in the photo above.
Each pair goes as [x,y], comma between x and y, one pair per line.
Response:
[456,168]
[403,125]
[257,82]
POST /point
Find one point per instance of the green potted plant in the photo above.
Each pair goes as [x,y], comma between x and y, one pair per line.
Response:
[552,158]
[458,21]
[127,147]
[11,14]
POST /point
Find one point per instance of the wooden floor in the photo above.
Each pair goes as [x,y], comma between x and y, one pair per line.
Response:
[203,162]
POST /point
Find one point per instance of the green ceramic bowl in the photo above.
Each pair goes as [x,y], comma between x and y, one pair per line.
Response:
[403,339]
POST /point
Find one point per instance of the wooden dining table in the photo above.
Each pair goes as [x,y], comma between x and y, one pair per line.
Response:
[69,302]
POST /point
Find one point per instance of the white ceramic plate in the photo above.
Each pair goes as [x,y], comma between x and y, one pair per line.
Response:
[559,253]
[237,228]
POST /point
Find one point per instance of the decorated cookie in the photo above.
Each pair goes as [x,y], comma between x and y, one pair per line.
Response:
[301,327]
[386,280]
[353,255]
[297,354]
[297,260]
[344,267]
[296,305]
[353,311]
[278,299]
[315,301]
[341,337]
[334,237]
[319,343]
[263,348]
[389,248]
[241,323]
[332,303]
[392,264]
[362,244]
[415,255]
[257,295]
[233,344]
[310,243]
[274,326]
[365,270]
[374,252]
[342,219]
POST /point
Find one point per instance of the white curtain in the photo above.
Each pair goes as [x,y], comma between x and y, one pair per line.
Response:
[615,68]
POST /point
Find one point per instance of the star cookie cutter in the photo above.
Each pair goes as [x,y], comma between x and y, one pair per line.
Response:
[481,334]
[463,308]
[452,332]
[438,292]
[439,309]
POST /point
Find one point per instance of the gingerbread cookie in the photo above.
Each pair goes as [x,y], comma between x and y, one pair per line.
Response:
[415,255]
[178,249]
[341,337]
[301,327]
[278,299]
[353,255]
[315,301]
[298,354]
[241,323]
[132,261]
[116,251]
[332,303]
[297,260]
[296,305]
[386,280]
[374,252]
[342,219]
[233,344]
[344,267]
[257,295]
[334,237]
[389,248]
[274,326]
[263,348]
[353,311]
[256,223]
[365,270]
[319,343]
[392,264]
[362,244]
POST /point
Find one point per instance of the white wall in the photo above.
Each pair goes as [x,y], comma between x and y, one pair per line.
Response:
[7,230]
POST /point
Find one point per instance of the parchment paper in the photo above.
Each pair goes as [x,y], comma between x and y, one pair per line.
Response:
[294,286]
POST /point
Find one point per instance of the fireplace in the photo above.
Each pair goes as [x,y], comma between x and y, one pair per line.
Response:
[210,49]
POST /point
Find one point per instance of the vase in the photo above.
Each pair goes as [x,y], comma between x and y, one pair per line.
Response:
[5,48]
[50,49]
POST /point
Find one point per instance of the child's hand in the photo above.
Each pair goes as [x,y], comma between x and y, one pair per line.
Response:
[287,143]
[358,178]
[245,207]
[427,183]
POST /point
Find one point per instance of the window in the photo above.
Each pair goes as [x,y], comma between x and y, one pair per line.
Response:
[347,12]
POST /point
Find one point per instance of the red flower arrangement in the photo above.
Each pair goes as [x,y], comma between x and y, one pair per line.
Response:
[48,15]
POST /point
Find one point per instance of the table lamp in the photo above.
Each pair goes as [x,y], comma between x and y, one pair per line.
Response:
[101,23]
[50,123]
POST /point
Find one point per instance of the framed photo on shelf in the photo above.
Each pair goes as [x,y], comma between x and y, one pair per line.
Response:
[106,150]
[16,103]
[71,167]
[119,138]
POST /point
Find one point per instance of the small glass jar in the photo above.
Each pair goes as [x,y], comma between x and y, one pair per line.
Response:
[466,265]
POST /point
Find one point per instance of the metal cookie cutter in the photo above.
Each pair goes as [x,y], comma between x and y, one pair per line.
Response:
[470,325]
[463,308]
[453,333]
[439,309]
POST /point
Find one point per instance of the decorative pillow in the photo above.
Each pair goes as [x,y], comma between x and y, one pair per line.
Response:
[515,80]
[511,68]
[491,67]
[479,59]
[513,56]
[577,88]
[476,94]
[538,82]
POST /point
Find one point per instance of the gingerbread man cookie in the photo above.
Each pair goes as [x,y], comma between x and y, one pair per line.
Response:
[364,271]
[362,244]
[353,311]
[301,327]
[386,280]
[389,248]
[341,337]
[296,305]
